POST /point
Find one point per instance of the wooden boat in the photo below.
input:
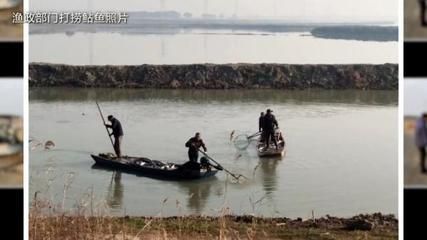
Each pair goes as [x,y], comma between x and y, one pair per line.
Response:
[153,168]
[271,151]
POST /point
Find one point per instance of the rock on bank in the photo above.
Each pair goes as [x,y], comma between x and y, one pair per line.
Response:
[217,76]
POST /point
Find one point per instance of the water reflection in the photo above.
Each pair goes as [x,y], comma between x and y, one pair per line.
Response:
[209,96]
[115,191]
[198,193]
[269,177]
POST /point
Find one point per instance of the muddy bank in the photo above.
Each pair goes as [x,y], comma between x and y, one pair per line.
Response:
[217,76]
[375,226]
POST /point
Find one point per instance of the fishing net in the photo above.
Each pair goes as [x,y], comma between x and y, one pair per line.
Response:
[241,141]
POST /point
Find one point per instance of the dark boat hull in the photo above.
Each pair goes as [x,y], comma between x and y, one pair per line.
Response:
[128,165]
[271,151]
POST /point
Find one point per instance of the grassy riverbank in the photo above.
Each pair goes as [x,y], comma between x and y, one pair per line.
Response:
[375,226]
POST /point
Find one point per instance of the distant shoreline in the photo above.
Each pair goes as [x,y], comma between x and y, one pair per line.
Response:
[217,76]
[360,32]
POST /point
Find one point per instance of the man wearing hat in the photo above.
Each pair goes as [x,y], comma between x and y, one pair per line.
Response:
[116,126]
[269,124]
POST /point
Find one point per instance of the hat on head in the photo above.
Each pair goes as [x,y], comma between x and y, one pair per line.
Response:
[269,110]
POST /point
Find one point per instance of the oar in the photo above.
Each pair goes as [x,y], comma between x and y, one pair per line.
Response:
[103,120]
[219,165]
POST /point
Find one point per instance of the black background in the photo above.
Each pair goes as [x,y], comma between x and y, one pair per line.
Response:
[12,213]
[415,213]
[415,59]
[11,59]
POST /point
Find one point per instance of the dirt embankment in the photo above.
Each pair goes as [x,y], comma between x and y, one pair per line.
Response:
[218,76]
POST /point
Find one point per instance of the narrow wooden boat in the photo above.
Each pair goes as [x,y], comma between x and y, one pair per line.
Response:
[154,168]
[271,151]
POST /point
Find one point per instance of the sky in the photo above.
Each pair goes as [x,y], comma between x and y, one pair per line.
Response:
[11,96]
[415,97]
[298,10]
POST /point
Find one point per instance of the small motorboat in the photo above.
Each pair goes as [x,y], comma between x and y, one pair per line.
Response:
[154,168]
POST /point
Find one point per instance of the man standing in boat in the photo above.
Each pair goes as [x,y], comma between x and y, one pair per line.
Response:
[260,122]
[260,126]
[269,125]
[116,126]
[194,145]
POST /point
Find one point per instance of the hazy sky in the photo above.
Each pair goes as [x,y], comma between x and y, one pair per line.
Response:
[11,96]
[301,10]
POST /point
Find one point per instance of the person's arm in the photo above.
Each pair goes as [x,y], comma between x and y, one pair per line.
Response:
[109,126]
[275,122]
[259,125]
[188,143]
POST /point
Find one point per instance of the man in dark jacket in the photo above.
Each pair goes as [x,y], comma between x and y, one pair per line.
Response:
[116,126]
[270,123]
[193,145]
[260,122]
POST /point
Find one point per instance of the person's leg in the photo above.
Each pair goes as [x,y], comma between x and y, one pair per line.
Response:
[117,146]
[193,157]
[267,139]
[423,159]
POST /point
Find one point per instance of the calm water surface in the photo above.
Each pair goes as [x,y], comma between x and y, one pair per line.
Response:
[205,46]
[341,153]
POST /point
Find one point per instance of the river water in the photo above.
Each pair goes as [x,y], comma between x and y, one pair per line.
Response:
[341,150]
[205,46]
